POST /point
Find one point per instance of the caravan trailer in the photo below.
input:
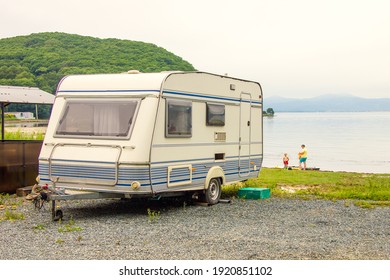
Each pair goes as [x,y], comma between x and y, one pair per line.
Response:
[153,134]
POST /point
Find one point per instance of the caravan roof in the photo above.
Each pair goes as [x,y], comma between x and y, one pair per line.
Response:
[119,83]
[137,83]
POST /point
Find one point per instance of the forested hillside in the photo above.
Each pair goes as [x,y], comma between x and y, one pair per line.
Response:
[42,59]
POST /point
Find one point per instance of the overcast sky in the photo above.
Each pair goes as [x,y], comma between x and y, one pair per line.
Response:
[294,48]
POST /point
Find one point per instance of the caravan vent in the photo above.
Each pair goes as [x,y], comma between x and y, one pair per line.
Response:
[220,136]
[133,72]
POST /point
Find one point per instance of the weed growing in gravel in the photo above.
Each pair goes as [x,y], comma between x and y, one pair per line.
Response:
[69,227]
[347,203]
[371,204]
[10,215]
[59,241]
[39,227]
[7,200]
[153,215]
[4,198]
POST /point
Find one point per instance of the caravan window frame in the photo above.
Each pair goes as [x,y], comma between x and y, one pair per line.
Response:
[210,114]
[92,134]
[171,120]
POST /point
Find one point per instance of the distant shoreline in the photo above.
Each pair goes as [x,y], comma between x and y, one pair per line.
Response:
[388,111]
[26,121]
[327,103]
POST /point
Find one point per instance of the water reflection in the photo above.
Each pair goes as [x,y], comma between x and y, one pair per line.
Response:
[42,123]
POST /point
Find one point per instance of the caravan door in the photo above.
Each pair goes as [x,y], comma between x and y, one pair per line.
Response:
[245,135]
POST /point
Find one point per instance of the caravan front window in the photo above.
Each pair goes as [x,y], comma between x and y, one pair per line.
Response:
[98,118]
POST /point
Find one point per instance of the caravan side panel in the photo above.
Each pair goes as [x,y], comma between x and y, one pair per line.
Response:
[208,145]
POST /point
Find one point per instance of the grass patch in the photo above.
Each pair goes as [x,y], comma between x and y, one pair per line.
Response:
[153,216]
[11,215]
[10,201]
[20,135]
[230,191]
[5,198]
[69,227]
[371,204]
[374,189]
[39,227]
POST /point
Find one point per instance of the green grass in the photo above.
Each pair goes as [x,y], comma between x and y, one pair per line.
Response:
[9,117]
[69,227]
[10,200]
[11,215]
[4,198]
[153,216]
[374,189]
[39,227]
[8,207]
[19,135]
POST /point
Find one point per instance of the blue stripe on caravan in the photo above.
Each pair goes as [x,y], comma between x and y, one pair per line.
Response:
[201,95]
[184,160]
[233,174]
[210,97]
[109,90]
[158,174]
[143,183]
[195,144]
[95,172]
[81,176]
[84,161]
[209,160]
[156,90]
[162,180]
[84,168]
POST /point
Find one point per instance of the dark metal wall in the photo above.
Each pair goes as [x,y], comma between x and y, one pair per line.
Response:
[18,164]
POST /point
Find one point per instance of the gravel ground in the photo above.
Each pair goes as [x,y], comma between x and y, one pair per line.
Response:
[273,229]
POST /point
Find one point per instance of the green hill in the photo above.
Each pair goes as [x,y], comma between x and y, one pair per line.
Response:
[42,59]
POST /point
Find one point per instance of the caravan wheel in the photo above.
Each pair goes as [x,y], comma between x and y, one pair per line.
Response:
[58,215]
[213,192]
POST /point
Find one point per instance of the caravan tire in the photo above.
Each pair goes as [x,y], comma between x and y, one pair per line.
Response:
[213,192]
[58,215]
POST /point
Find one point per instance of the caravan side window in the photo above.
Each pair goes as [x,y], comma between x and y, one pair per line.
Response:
[178,118]
[215,114]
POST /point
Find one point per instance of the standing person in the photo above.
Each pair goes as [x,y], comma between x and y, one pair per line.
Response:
[302,157]
[285,161]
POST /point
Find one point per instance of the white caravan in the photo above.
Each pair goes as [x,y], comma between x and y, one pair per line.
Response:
[153,134]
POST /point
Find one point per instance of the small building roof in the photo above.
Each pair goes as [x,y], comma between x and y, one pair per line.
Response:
[27,95]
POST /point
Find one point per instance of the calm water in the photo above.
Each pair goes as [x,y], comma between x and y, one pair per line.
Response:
[358,142]
[32,123]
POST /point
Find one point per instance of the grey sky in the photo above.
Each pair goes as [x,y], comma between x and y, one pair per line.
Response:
[296,48]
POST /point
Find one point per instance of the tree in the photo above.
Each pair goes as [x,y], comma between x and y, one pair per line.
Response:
[269,112]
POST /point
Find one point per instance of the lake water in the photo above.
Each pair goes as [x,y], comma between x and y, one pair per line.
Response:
[357,142]
[31,123]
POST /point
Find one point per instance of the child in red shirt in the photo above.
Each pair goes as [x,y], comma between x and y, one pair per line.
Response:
[285,160]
